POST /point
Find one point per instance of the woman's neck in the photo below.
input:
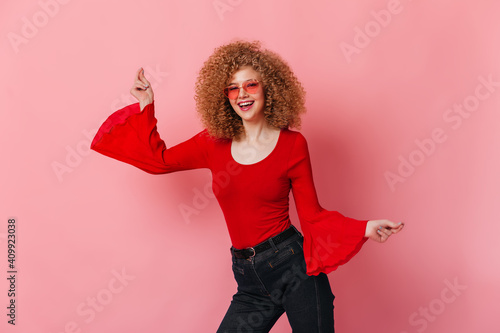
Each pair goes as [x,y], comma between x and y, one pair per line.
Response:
[256,131]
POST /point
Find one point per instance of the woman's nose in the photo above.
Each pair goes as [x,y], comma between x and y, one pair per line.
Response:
[242,93]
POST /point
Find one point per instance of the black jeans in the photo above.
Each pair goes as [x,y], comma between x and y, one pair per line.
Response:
[275,282]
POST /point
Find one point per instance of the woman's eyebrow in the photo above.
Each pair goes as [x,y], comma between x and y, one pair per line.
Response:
[231,83]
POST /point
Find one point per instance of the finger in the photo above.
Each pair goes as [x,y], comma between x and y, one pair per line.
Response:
[394,231]
[381,236]
[390,224]
[399,228]
[382,233]
[385,231]
[139,77]
[143,79]
[139,88]
[137,74]
[140,85]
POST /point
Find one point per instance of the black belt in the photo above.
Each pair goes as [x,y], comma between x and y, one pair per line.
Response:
[252,251]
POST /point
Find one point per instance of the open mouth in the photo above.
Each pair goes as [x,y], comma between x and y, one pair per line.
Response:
[245,105]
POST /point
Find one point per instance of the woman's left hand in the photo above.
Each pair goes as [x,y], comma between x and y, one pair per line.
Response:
[380,230]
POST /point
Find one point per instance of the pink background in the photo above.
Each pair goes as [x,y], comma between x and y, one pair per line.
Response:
[381,78]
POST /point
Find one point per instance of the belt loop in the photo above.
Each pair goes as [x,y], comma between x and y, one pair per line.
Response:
[297,231]
[273,245]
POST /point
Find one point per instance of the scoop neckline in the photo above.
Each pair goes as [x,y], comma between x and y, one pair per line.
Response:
[262,160]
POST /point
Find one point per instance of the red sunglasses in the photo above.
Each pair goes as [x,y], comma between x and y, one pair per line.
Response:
[250,86]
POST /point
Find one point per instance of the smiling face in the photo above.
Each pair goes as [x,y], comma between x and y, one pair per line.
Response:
[249,106]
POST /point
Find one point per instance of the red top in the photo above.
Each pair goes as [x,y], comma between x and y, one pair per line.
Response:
[253,197]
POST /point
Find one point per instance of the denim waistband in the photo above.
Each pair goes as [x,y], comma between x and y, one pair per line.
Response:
[271,240]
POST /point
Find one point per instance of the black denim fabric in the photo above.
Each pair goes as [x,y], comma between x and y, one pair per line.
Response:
[274,282]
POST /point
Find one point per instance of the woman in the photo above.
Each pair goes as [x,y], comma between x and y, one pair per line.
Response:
[248,98]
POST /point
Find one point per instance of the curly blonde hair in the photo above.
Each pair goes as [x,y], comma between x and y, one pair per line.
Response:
[284,94]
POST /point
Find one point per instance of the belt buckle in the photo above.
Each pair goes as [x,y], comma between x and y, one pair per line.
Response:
[253,254]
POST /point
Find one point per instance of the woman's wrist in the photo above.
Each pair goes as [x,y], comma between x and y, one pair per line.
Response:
[144,103]
[367,229]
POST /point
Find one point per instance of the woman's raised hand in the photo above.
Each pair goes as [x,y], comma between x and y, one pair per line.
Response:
[142,89]
[380,230]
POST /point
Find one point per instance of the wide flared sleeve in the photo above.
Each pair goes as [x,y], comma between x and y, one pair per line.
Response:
[330,238]
[130,135]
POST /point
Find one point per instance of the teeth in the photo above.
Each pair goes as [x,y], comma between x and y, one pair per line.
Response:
[246,103]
